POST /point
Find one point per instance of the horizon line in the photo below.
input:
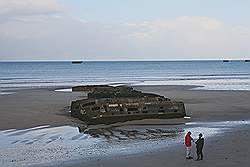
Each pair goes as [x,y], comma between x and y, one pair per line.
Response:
[138,60]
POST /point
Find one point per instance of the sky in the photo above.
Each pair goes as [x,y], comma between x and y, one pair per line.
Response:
[124,29]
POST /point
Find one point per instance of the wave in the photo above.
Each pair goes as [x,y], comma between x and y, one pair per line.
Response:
[208,74]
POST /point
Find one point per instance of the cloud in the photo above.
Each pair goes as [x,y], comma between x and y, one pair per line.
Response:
[49,35]
[183,25]
[20,19]
[29,7]
[191,36]
[24,9]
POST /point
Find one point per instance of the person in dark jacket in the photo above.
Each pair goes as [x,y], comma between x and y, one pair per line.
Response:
[199,146]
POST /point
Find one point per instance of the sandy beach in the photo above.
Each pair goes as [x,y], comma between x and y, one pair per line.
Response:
[35,107]
[38,107]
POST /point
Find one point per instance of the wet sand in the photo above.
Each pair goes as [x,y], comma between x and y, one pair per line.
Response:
[36,107]
[31,108]
[230,150]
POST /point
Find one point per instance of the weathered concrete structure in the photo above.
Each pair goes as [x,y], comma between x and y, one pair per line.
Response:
[106,104]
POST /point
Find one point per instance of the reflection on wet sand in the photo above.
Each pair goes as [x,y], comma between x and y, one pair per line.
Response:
[53,145]
[119,133]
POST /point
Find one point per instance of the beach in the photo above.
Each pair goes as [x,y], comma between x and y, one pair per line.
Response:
[45,106]
[35,107]
[39,107]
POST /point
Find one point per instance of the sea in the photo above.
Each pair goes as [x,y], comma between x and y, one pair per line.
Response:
[209,75]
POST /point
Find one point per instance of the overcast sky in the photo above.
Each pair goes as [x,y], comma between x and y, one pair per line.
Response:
[124,29]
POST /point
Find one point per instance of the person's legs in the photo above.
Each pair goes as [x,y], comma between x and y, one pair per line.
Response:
[198,155]
[188,152]
[201,155]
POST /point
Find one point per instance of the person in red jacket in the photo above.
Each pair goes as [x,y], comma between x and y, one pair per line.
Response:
[188,144]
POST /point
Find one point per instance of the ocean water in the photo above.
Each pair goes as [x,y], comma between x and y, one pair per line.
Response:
[211,75]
